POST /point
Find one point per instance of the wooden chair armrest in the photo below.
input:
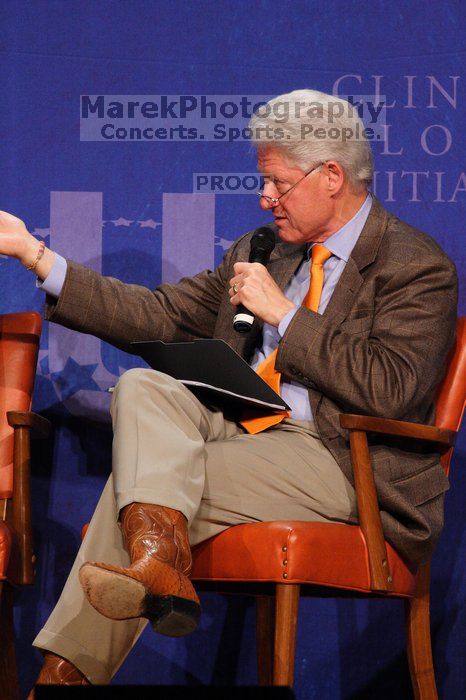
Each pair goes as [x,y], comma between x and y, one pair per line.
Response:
[370,521]
[26,424]
[387,426]
[366,494]
[40,426]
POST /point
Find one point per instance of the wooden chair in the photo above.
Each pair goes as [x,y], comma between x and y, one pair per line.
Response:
[19,345]
[277,561]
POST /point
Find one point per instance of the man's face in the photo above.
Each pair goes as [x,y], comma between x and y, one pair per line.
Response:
[303,214]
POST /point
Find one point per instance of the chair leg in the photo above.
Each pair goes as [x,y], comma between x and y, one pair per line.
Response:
[265,632]
[8,673]
[286,622]
[419,646]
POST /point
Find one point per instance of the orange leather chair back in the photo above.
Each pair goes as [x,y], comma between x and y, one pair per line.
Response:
[451,397]
[19,347]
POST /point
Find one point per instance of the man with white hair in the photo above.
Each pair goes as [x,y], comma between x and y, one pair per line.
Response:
[356,313]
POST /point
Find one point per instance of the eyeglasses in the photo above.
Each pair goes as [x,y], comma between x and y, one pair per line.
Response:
[275,200]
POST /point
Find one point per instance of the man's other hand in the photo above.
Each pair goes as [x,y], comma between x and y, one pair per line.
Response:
[253,287]
[14,236]
[17,242]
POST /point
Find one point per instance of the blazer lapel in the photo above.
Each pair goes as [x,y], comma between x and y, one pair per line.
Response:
[284,262]
[363,254]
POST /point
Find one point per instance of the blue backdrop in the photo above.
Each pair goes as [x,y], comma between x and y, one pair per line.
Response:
[128,209]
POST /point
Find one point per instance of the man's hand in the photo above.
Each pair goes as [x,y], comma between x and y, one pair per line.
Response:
[253,287]
[17,242]
[15,239]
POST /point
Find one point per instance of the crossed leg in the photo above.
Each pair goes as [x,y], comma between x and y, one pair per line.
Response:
[172,450]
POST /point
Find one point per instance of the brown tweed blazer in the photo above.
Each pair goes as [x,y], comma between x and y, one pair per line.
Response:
[379,349]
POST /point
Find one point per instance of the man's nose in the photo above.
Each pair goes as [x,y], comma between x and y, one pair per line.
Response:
[267,203]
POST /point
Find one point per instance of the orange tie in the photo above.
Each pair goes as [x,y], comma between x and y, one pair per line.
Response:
[266,369]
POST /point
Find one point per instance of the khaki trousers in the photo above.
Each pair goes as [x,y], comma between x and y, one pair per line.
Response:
[172,450]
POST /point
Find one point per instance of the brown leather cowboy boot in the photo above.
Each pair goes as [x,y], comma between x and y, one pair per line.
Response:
[156,585]
[58,671]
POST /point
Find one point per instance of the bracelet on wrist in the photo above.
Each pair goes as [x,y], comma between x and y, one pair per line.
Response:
[39,255]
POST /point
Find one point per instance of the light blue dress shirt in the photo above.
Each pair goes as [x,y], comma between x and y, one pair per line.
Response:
[340,244]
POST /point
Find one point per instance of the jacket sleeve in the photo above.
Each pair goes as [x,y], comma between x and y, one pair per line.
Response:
[387,364]
[120,313]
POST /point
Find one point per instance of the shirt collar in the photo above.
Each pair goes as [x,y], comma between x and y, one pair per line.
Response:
[342,242]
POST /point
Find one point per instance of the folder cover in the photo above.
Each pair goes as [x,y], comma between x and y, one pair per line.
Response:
[213,366]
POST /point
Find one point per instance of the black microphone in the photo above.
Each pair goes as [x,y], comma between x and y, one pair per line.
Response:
[262,244]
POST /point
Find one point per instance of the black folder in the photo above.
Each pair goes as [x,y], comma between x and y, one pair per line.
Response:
[211,366]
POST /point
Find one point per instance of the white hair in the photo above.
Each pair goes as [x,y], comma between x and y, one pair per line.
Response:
[311,127]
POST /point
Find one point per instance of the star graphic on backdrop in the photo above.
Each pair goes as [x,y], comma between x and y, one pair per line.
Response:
[41,232]
[149,223]
[120,222]
[74,377]
[224,243]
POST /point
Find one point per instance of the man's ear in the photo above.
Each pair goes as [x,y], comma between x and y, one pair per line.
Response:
[335,176]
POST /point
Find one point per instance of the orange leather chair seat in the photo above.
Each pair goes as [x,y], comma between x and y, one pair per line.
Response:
[323,554]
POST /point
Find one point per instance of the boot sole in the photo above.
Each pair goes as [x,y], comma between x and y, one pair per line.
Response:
[114,595]
[120,597]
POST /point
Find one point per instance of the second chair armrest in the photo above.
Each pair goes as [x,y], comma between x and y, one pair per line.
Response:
[368,509]
[388,426]
[26,424]
[39,425]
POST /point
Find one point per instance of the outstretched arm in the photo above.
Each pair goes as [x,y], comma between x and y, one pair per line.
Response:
[116,312]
